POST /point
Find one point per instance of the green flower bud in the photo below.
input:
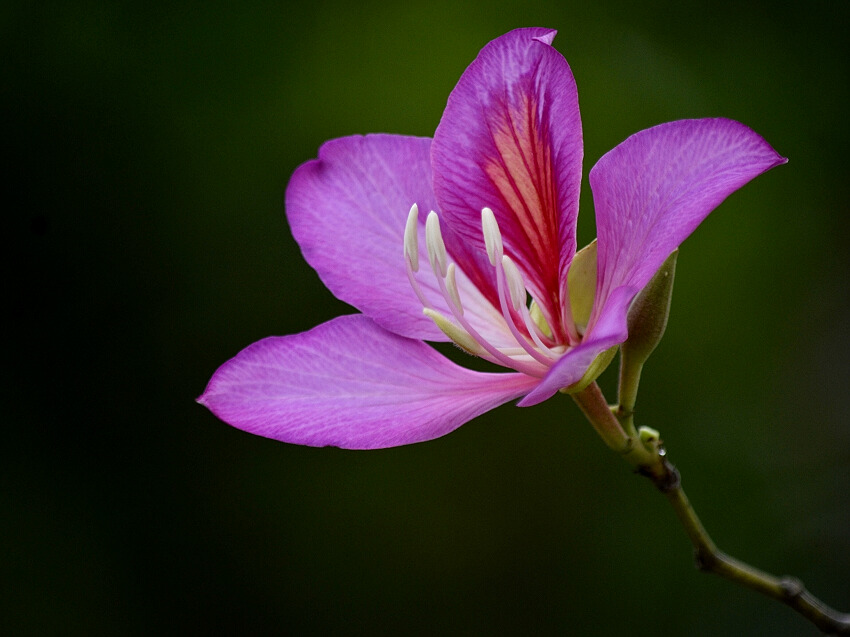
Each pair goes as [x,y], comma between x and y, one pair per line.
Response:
[648,314]
[647,321]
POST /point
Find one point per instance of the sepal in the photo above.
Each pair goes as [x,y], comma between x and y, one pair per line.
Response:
[581,282]
[599,365]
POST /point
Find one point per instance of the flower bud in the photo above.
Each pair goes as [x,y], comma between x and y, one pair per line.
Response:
[648,315]
[647,321]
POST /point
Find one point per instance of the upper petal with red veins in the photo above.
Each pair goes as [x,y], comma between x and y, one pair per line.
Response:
[347,210]
[510,139]
[652,190]
[349,383]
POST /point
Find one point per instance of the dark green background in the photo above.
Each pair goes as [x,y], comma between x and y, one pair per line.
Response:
[148,148]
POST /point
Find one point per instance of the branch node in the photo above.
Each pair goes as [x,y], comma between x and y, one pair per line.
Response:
[792,588]
[666,480]
[703,560]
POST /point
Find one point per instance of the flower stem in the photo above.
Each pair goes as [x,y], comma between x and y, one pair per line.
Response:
[788,590]
[643,449]
[591,401]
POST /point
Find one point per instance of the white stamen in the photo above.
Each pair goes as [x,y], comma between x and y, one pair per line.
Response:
[411,242]
[459,336]
[492,235]
[504,279]
[490,352]
[436,248]
[516,288]
[535,333]
[451,286]
[532,353]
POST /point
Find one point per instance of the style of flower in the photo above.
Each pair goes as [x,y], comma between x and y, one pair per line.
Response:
[493,203]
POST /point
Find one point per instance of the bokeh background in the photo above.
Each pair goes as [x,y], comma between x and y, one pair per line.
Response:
[147,150]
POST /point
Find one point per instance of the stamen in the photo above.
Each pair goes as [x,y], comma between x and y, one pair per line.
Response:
[411,241]
[523,358]
[539,324]
[490,352]
[436,247]
[516,287]
[411,254]
[515,284]
[492,236]
[502,283]
[415,285]
[535,332]
[451,286]
[459,337]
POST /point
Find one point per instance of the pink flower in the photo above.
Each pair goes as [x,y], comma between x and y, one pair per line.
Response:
[501,181]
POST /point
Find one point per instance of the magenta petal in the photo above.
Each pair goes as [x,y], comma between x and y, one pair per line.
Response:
[611,329]
[652,190]
[510,139]
[349,383]
[347,210]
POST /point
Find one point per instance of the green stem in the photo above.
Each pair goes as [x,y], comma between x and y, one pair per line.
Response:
[596,409]
[788,590]
[644,451]
[630,369]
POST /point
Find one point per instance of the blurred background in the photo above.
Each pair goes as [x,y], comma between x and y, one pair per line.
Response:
[148,147]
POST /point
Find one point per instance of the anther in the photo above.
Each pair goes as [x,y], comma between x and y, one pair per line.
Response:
[516,288]
[459,336]
[411,241]
[436,248]
[492,235]
[451,286]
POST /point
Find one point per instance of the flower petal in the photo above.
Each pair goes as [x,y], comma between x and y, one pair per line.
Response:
[347,211]
[349,383]
[611,329]
[510,139]
[652,190]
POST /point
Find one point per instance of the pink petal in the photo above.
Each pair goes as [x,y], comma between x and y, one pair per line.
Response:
[652,190]
[347,210]
[351,384]
[611,329]
[510,139]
